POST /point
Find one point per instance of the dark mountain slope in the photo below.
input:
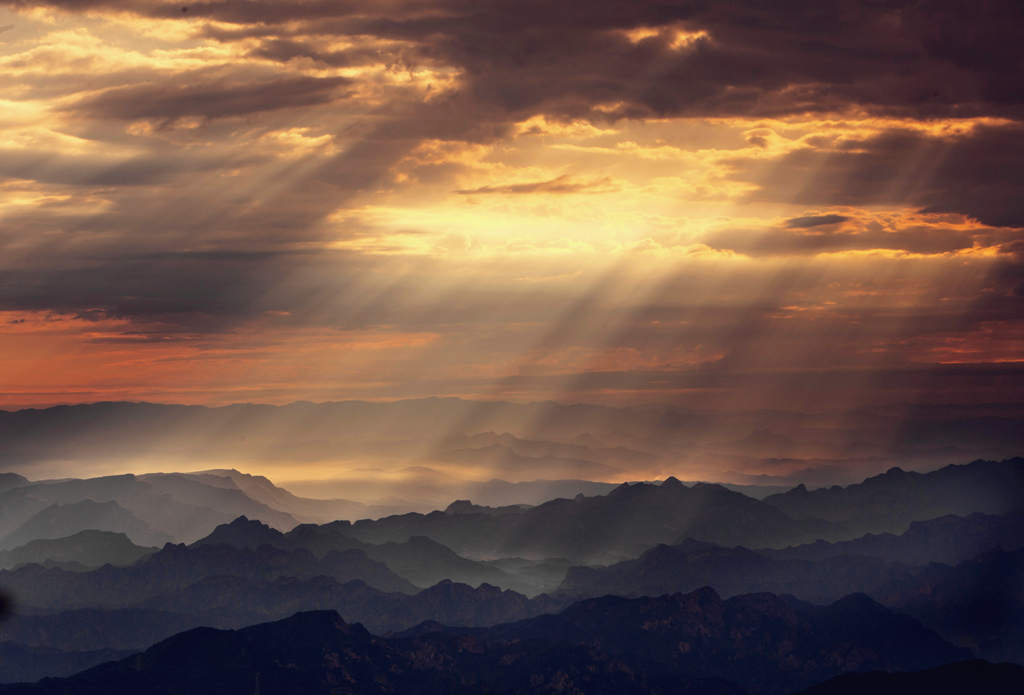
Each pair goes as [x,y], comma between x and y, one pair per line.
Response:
[818,571]
[889,502]
[949,539]
[681,643]
[742,638]
[978,603]
[231,602]
[952,679]
[19,663]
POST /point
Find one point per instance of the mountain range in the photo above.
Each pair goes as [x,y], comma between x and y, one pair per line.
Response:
[894,499]
[149,509]
[518,581]
[620,524]
[454,441]
[695,642]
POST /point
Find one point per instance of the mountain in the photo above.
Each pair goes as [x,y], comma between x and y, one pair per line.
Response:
[425,562]
[175,567]
[741,639]
[85,549]
[691,564]
[308,653]
[420,560]
[305,509]
[235,601]
[535,576]
[820,571]
[949,539]
[620,524]
[61,520]
[680,643]
[891,501]
[11,480]
[772,447]
[978,603]
[173,506]
[973,676]
[19,663]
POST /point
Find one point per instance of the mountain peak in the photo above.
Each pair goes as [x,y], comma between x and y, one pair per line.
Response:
[242,532]
[462,507]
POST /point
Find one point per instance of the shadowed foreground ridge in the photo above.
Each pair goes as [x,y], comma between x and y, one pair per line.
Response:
[694,642]
[964,677]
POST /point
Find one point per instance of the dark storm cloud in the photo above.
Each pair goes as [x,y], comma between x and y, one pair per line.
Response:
[911,58]
[183,292]
[208,98]
[815,221]
[978,174]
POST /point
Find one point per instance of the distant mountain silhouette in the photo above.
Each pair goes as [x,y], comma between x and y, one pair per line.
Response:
[889,502]
[174,506]
[305,509]
[620,524]
[679,643]
[85,549]
[973,676]
[175,567]
[422,561]
[625,438]
[62,520]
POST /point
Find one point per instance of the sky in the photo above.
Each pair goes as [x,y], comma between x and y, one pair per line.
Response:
[723,205]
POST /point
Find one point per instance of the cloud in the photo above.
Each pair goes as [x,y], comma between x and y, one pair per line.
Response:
[559,185]
[209,98]
[103,169]
[815,221]
[745,58]
[978,173]
[221,172]
[836,233]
